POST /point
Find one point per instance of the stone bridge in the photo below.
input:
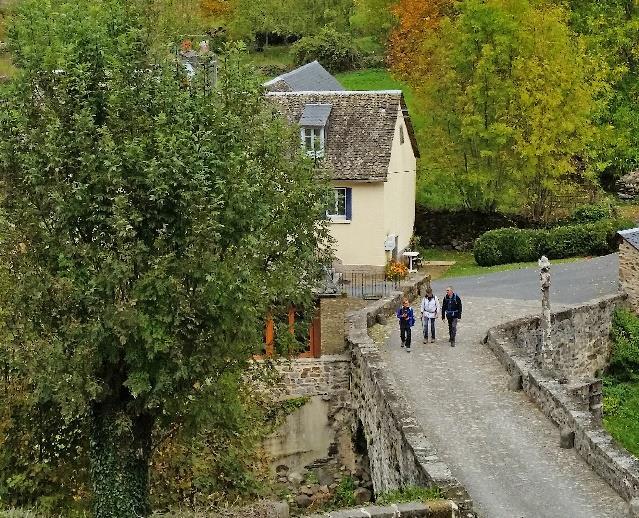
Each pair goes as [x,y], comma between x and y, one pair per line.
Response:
[449,417]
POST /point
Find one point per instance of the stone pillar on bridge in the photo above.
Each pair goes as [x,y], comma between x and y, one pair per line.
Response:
[544,358]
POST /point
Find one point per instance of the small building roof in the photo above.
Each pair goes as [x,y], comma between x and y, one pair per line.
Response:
[315,115]
[631,236]
[309,77]
[360,131]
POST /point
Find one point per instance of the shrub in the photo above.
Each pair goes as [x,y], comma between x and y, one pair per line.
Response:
[512,245]
[335,51]
[592,213]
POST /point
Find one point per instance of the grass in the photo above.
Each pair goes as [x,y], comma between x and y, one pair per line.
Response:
[273,55]
[409,494]
[465,264]
[629,210]
[6,67]
[621,418]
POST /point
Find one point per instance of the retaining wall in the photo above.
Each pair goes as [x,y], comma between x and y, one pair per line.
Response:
[580,337]
[399,453]
[561,402]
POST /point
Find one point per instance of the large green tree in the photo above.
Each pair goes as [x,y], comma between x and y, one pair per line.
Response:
[513,97]
[611,29]
[147,224]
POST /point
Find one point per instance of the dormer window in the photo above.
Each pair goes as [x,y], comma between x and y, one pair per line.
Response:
[313,125]
[313,140]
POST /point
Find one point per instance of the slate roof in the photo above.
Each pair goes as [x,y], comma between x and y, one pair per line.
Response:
[360,129]
[631,236]
[315,115]
[309,77]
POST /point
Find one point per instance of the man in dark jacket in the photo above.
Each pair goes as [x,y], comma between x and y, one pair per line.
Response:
[451,310]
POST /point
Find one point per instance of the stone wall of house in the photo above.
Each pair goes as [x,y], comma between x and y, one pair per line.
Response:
[399,453]
[629,273]
[580,337]
[333,329]
[566,404]
[320,431]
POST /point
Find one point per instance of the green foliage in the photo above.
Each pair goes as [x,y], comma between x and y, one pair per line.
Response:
[147,225]
[512,97]
[610,33]
[344,496]
[511,245]
[621,413]
[592,213]
[287,17]
[621,382]
[334,50]
[409,494]
[373,18]
[624,362]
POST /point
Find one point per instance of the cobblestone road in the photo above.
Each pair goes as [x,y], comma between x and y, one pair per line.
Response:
[497,442]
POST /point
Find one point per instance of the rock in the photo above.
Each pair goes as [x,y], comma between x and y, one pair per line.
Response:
[324,477]
[320,498]
[381,319]
[633,508]
[515,382]
[566,438]
[362,495]
[628,185]
[358,472]
[282,469]
[324,489]
[303,501]
[310,490]
[332,486]
[280,510]
[283,480]
[295,478]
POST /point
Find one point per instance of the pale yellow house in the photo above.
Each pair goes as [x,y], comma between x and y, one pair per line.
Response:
[366,140]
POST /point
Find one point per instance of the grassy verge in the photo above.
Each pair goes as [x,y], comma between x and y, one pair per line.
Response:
[621,382]
[629,210]
[465,264]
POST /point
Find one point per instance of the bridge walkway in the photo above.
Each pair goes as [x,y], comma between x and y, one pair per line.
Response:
[497,442]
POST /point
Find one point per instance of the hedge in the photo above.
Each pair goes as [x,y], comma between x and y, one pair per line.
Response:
[514,245]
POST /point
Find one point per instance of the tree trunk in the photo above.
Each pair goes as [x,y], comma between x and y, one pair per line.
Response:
[119,454]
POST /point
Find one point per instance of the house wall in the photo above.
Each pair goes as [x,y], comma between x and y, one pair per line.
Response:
[399,189]
[629,273]
[360,243]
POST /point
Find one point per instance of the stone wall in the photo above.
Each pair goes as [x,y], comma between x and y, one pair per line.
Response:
[565,404]
[321,430]
[629,273]
[580,337]
[399,453]
[333,317]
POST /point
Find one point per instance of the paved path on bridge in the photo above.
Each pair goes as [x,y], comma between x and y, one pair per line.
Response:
[497,442]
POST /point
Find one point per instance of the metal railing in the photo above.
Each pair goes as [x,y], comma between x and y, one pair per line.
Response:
[365,285]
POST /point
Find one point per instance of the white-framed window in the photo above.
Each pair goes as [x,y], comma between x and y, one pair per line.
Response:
[313,141]
[340,207]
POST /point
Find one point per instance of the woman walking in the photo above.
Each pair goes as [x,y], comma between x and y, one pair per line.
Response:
[428,312]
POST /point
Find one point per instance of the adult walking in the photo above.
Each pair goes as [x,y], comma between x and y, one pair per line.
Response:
[406,321]
[452,311]
[429,310]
